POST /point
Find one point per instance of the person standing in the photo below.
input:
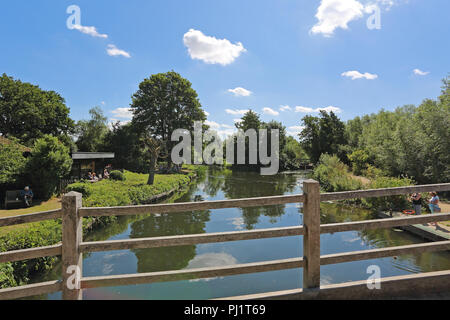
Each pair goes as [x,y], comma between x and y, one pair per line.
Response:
[416,200]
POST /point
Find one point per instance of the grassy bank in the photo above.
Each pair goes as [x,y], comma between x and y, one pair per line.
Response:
[131,191]
[335,176]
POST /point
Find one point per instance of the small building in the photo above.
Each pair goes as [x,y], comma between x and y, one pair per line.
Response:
[85,162]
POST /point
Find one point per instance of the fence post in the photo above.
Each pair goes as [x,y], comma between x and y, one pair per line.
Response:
[311,237]
[72,233]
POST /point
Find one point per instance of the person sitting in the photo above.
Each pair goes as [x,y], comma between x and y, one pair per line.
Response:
[27,195]
[94,177]
[105,174]
[90,176]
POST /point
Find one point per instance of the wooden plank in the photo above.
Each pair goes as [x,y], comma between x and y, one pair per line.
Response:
[190,206]
[384,192]
[186,274]
[391,287]
[384,252]
[383,223]
[32,253]
[72,258]
[30,290]
[311,236]
[157,242]
[28,218]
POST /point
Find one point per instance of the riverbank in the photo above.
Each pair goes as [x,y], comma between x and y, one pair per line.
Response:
[428,231]
[133,190]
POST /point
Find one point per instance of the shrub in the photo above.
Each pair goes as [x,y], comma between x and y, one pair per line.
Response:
[50,162]
[396,203]
[359,160]
[117,175]
[334,176]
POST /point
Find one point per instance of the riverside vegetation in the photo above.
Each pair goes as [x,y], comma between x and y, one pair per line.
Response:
[131,190]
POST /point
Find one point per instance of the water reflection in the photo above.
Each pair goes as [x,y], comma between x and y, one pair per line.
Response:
[225,184]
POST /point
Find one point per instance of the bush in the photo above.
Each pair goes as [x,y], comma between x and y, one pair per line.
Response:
[334,176]
[50,162]
[395,203]
[117,175]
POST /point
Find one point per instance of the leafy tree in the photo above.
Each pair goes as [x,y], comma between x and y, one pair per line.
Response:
[28,112]
[324,134]
[49,163]
[124,141]
[165,102]
[359,160]
[12,163]
[92,133]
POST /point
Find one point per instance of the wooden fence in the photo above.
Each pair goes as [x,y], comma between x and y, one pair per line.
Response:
[72,247]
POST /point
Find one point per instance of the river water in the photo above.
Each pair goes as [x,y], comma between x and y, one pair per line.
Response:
[225,184]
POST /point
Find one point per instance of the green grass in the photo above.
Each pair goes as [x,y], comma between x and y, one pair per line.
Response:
[133,190]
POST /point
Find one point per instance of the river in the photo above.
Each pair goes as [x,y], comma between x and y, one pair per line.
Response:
[225,184]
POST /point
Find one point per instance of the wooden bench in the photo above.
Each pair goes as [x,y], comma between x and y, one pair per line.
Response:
[13,197]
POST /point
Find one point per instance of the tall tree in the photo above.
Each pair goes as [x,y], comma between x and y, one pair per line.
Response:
[91,133]
[166,102]
[324,134]
[28,112]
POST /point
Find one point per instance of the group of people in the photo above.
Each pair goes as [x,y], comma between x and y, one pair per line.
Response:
[433,203]
[92,176]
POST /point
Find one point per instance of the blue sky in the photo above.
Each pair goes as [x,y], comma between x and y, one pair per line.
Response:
[305,54]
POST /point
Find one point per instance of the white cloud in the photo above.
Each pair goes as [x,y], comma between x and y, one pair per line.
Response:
[294,130]
[420,72]
[122,113]
[311,110]
[333,14]
[211,50]
[270,112]
[303,109]
[285,108]
[237,120]
[358,75]
[236,112]
[92,31]
[240,92]
[113,51]
[329,109]
[207,113]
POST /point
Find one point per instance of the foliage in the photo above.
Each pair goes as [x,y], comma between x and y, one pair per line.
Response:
[391,202]
[117,175]
[124,141]
[324,134]
[12,163]
[50,162]
[29,112]
[165,102]
[131,191]
[334,176]
[91,134]
[40,234]
[359,159]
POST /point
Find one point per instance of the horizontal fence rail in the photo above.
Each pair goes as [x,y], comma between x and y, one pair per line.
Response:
[72,247]
[189,206]
[28,218]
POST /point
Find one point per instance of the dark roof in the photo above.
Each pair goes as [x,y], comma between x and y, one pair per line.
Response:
[92,155]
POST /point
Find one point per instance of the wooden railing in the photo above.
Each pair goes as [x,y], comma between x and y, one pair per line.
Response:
[72,247]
